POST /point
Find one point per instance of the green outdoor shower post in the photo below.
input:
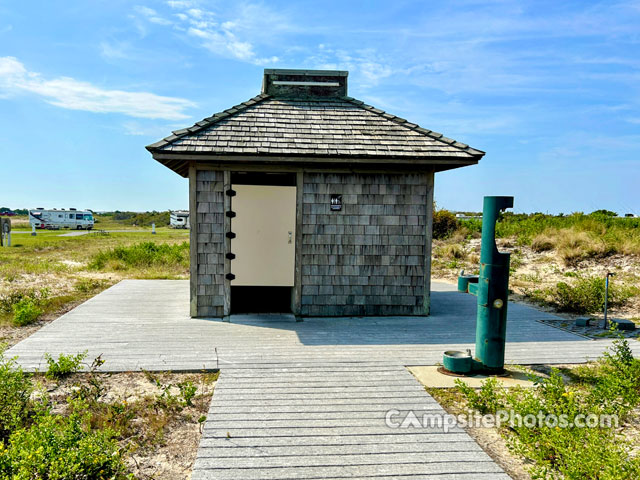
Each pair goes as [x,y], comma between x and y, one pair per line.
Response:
[492,291]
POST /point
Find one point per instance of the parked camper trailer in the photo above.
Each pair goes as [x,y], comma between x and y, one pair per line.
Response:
[179,219]
[60,218]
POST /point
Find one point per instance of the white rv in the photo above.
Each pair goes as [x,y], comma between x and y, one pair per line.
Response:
[55,219]
[179,219]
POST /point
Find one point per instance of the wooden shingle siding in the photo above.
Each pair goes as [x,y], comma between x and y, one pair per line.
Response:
[368,258]
[210,243]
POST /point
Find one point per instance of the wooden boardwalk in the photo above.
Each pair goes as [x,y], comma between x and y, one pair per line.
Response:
[304,400]
[323,423]
[145,324]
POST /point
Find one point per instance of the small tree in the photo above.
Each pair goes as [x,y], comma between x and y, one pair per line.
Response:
[444,223]
[604,213]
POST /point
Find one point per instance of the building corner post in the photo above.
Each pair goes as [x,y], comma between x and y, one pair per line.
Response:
[193,243]
[426,302]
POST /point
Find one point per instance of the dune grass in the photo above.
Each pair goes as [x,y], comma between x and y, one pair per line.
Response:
[573,237]
[143,255]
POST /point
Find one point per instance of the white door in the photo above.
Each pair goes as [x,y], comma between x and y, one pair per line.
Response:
[264,245]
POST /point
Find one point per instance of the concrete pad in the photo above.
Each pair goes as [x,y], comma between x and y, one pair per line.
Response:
[430,377]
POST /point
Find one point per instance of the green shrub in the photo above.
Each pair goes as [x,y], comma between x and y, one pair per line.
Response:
[64,365]
[617,381]
[188,392]
[603,213]
[610,386]
[10,299]
[59,448]
[140,219]
[89,285]
[587,294]
[488,399]
[583,295]
[15,390]
[146,254]
[444,224]
[25,312]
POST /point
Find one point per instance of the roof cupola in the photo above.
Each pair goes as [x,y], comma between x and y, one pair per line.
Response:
[305,83]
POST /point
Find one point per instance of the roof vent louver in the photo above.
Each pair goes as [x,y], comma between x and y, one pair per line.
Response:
[305,83]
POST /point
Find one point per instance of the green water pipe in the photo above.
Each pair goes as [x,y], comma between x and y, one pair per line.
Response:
[492,291]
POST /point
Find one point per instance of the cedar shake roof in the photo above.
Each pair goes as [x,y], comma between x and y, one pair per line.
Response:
[302,120]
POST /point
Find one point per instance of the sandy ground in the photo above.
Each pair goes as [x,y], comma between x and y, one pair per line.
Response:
[488,438]
[496,447]
[172,457]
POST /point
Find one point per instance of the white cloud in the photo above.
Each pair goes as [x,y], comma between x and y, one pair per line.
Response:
[73,94]
[196,12]
[230,34]
[222,38]
[367,64]
[144,129]
[151,15]
[179,3]
[373,71]
[117,50]
[224,41]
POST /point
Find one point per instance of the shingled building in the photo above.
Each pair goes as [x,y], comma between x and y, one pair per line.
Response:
[306,200]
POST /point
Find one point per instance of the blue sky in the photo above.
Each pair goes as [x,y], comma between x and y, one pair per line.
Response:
[550,90]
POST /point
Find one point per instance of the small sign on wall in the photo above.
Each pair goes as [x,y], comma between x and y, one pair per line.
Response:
[336,202]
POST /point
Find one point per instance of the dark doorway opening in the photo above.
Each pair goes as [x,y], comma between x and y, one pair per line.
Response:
[263,178]
[260,299]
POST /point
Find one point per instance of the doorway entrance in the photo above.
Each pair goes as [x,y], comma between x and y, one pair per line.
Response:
[264,244]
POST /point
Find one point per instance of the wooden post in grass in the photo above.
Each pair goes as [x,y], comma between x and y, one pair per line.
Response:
[5,227]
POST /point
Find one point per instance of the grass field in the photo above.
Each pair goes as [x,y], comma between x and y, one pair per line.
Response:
[126,221]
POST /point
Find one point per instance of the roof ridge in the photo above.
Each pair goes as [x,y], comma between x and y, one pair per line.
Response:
[208,121]
[415,127]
